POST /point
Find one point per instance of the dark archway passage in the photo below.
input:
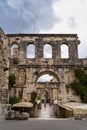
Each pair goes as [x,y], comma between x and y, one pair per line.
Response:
[47,87]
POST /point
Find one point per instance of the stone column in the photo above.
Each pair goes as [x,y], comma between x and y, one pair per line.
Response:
[56,52]
[22,53]
[73,51]
[39,48]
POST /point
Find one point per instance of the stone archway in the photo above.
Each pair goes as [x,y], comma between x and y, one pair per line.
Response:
[50,72]
[48,89]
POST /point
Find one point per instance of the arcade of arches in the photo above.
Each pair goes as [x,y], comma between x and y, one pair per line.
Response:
[30,56]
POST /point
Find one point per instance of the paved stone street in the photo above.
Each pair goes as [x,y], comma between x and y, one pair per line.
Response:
[45,121]
[38,124]
[46,111]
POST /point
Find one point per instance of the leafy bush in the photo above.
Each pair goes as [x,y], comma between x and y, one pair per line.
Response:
[39,97]
[12,80]
[33,97]
[13,100]
[81,75]
[80,86]
[15,61]
[36,72]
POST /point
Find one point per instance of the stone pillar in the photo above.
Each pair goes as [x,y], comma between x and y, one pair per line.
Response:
[22,53]
[56,52]
[39,48]
[73,51]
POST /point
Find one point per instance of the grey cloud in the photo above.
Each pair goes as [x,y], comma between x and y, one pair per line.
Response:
[72,22]
[31,16]
[83,1]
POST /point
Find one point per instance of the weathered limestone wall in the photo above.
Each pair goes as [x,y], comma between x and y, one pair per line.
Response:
[4,67]
[60,68]
[39,41]
[25,69]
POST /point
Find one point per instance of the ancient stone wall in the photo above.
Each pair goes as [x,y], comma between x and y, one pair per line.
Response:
[4,67]
[28,70]
[57,66]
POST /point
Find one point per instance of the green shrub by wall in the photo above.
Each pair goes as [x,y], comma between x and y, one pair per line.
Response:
[13,100]
[80,85]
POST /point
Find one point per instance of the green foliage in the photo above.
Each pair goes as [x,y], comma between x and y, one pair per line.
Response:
[36,73]
[39,97]
[13,100]
[80,86]
[12,80]
[33,97]
[77,87]
[15,61]
[81,75]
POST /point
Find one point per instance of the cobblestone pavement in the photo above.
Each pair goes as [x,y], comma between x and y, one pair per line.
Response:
[44,124]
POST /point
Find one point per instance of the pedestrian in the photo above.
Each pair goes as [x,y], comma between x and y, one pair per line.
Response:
[44,102]
[55,106]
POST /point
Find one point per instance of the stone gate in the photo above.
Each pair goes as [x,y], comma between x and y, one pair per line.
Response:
[29,65]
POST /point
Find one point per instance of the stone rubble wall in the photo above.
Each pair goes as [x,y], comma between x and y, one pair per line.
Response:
[4,67]
[24,70]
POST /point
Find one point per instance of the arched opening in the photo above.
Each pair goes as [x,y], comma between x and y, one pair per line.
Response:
[47,78]
[14,50]
[47,51]
[48,73]
[64,51]
[31,51]
[47,85]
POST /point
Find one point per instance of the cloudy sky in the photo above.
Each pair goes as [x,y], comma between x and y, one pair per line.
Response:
[46,16]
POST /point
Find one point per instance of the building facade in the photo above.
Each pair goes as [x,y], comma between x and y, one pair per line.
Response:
[27,57]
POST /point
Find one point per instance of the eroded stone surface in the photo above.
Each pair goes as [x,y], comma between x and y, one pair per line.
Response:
[4,67]
[27,71]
